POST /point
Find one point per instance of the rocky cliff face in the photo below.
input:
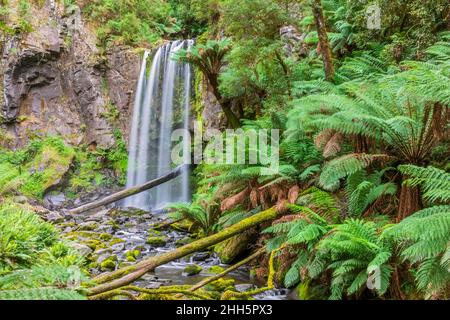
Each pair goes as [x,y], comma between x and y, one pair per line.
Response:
[56,81]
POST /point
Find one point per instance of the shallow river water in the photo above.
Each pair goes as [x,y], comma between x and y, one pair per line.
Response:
[130,231]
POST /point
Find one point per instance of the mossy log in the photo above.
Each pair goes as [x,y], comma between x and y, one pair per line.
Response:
[127,275]
[126,291]
[131,191]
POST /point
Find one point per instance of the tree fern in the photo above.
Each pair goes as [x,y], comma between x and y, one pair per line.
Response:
[352,249]
[435,183]
[346,165]
[303,232]
[424,239]
[320,201]
[363,190]
[195,213]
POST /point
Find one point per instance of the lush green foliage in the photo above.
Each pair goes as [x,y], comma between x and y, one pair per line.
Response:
[350,149]
[33,257]
[363,186]
[34,169]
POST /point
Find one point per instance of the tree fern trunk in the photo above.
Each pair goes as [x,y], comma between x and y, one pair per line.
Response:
[324,43]
[410,201]
[233,120]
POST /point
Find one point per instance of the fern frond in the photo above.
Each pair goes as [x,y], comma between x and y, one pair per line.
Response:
[346,165]
[41,294]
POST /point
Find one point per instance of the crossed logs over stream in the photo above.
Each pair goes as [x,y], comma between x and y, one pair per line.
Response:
[123,277]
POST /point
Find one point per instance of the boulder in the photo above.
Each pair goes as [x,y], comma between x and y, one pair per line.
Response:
[192,270]
[234,247]
[81,248]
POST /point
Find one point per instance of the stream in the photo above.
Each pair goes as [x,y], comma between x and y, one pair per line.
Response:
[108,237]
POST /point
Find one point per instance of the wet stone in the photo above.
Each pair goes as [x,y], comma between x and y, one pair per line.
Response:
[200,256]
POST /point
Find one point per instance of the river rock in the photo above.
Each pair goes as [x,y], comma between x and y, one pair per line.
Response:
[244,287]
[54,217]
[192,270]
[200,256]
[232,248]
[156,241]
[54,200]
[81,248]
[88,226]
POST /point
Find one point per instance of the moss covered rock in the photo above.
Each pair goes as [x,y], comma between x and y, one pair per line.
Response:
[192,270]
[156,241]
[234,247]
[105,237]
[116,241]
[182,242]
[109,263]
[216,269]
[88,226]
[132,255]
[221,285]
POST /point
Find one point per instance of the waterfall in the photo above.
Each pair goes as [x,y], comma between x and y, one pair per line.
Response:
[162,104]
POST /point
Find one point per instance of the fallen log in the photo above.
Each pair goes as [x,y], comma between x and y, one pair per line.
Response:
[125,291]
[227,271]
[131,191]
[127,275]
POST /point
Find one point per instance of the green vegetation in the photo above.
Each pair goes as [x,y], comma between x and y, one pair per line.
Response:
[90,166]
[364,149]
[34,263]
[48,163]
[35,169]
[360,205]
[141,22]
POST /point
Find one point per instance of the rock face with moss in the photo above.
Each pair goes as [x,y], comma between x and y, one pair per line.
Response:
[57,81]
[36,170]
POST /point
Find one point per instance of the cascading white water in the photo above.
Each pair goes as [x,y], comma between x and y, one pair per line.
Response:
[162,104]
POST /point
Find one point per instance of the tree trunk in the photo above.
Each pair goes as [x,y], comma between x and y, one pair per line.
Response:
[131,191]
[225,104]
[324,43]
[409,202]
[127,275]
[233,120]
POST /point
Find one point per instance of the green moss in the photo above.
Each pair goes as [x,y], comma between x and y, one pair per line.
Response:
[35,169]
[116,241]
[221,285]
[132,255]
[131,259]
[192,270]
[108,265]
[184,225]
[182,242]
[91,164]
[88,226]
[154,233]
[230,249]
[95,244]
[156,241]
[115,226]
[105,237]
[216,270]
